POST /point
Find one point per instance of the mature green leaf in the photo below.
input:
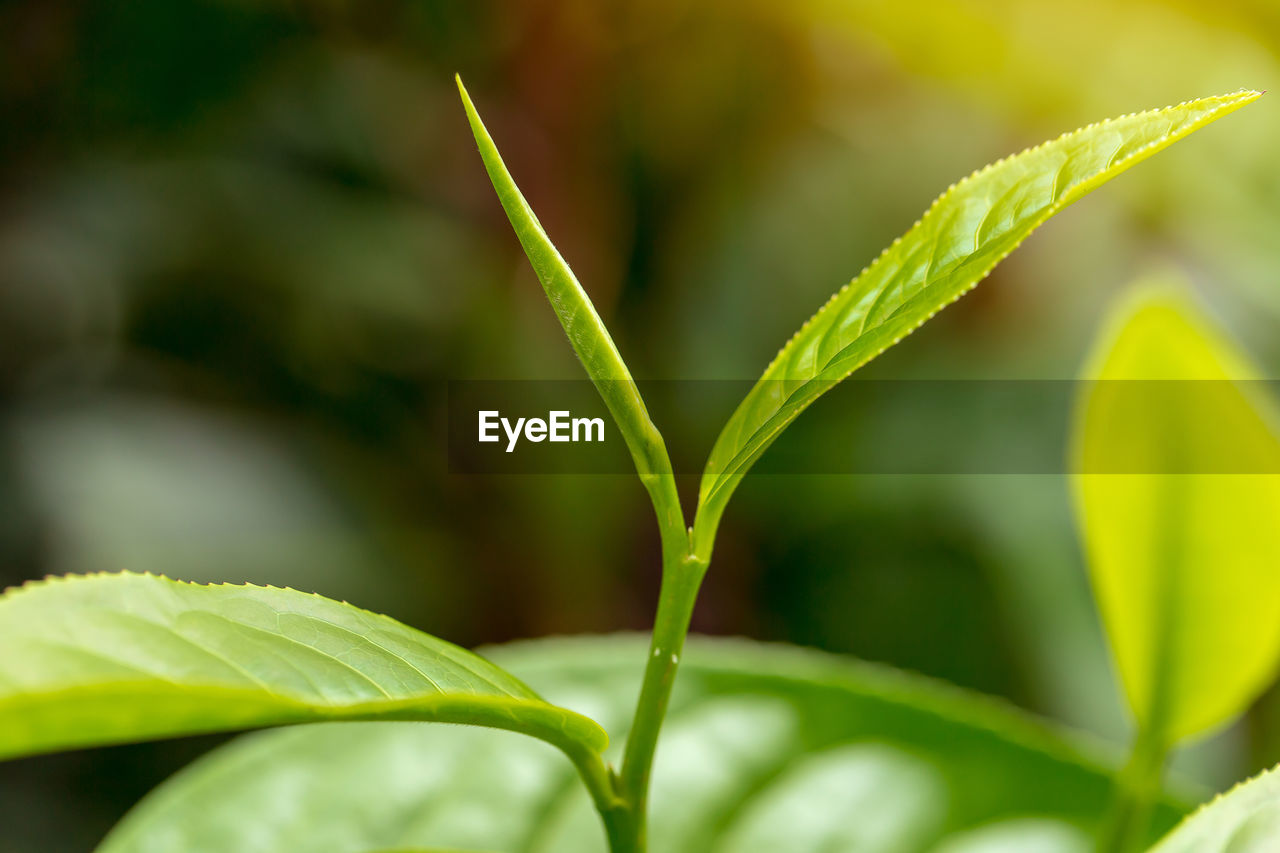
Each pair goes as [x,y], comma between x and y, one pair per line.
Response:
[766,748]
[1178,496]
[123,657]
[967,231]
[1246,819]
[587,334]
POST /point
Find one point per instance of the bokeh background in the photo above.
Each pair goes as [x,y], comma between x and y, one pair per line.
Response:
[244,245]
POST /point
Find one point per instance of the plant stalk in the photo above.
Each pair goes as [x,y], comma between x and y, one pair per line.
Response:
[601,784]
[681,576]
[1137,787]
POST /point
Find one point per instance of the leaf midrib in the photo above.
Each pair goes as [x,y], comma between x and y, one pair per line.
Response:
[1059,197]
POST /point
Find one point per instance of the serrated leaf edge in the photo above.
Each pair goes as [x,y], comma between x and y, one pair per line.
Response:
[446,708]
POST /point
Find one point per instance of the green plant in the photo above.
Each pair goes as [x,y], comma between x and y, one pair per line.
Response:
[1181,546]
[114,658]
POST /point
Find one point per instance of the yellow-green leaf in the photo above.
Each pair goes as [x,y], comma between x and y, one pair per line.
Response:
[1178,493]
[967,231]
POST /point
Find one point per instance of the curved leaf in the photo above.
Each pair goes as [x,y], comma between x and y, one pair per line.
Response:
[766,748]
[1182,556]
[1246,819]
[112,658]
[967,231]
[589,338]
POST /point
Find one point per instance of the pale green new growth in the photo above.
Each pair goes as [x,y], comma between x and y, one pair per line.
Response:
[590,340]
[122,657]
[967,231]
[1177,484]
[1183,555]
[682,571]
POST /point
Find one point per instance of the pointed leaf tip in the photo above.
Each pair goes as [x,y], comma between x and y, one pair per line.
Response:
[970,228]
[587,335]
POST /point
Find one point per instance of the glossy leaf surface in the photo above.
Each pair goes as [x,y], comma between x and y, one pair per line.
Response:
[1246,819]
[967,231]
[117,658]
[767,748]
[1183,557]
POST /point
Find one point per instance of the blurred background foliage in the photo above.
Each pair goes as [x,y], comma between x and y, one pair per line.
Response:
[243,246]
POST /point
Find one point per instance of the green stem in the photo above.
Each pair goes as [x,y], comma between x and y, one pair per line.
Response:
[600,782]
[1136,790]
[681,577]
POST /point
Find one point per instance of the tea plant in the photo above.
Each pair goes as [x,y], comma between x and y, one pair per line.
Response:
[767,748]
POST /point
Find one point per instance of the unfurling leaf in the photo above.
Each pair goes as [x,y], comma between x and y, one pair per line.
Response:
[588,336]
